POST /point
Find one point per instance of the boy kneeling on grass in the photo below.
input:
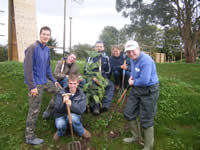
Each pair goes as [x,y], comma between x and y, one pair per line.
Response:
[77,103]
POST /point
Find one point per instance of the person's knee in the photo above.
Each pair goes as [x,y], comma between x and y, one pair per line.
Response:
[61,123]
[116,73]
[75,119]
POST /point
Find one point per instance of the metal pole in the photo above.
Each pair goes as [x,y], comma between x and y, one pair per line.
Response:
[64,27]
[70,34]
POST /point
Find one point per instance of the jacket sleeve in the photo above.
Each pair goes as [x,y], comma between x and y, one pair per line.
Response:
[28,67]
[79,106]
[49,73]
[58,74]
[107,68]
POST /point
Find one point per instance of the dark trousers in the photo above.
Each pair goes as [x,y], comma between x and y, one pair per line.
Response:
[118,75]
[34,108]
[142,102]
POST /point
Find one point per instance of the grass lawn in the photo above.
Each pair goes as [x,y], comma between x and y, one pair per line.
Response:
[177,122]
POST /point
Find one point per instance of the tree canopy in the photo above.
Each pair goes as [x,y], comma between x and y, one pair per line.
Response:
[181,14]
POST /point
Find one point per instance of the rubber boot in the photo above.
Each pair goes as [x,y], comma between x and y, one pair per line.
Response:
[134,131]
[148,138]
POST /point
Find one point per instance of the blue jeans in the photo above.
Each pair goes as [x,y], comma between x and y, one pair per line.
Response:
[62,123]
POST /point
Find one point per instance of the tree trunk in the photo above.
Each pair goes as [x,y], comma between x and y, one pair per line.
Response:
[190,51]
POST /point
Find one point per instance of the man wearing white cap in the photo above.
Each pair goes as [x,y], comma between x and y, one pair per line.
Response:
[143,97]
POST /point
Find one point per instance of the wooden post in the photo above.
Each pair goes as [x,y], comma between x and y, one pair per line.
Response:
[12,40]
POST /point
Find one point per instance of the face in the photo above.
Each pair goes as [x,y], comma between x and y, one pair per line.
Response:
[116,52]
[99,47]
[73,86]
[71,59]
[133,54]
[45,36]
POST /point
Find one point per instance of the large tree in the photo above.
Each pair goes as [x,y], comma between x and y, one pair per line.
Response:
[110,36]
[81,50]
[182,13]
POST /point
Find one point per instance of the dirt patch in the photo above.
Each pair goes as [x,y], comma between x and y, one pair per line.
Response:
[114,134]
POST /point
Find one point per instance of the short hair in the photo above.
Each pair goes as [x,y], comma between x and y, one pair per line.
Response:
[99,42]
[45,28]
[116,47]
[73,77]
[71,53]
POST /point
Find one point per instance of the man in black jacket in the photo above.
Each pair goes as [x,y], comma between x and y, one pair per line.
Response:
[77,103]
[120,66]
[105,70]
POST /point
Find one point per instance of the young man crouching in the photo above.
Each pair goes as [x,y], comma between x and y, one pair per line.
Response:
[77,103]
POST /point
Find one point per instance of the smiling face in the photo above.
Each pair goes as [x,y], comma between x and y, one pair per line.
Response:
[115,52]
[45,36]
[71,59]
[133,54]
[73,84]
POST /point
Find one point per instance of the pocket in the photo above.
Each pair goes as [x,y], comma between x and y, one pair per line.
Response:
[141,91]
[154,88]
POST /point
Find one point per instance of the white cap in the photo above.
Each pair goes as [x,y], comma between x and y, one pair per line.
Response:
[131,46]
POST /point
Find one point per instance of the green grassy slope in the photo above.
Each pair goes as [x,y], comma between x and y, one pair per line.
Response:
[177,122]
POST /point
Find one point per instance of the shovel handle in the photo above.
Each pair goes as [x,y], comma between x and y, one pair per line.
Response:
[70,119]
[123,94]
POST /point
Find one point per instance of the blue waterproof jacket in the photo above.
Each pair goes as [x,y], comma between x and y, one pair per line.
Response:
[37,66]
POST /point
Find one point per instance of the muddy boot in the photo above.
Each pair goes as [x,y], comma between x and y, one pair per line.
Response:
[148,138]
[56,137]
[34,141]
[86,134]
[134,131]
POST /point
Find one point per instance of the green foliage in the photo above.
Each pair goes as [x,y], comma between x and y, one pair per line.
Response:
[80,50]
[54,55]
[94,92]
[3,53]
[110,36]
[176,123]
[177,144]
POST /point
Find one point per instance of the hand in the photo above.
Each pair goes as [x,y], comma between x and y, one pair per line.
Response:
[34,92]
[68,102]
[57,84]
[124,67]
[131,81]
[95,80]
[80,79]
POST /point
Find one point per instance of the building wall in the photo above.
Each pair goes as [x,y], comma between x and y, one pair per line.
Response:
[25,25]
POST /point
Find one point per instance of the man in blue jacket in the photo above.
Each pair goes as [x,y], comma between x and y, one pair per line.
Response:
[36,71]
[143,97]
[77,102]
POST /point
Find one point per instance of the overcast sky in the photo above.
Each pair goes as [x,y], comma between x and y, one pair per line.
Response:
[88,19]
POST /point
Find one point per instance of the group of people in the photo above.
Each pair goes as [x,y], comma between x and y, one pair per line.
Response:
[135,69]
